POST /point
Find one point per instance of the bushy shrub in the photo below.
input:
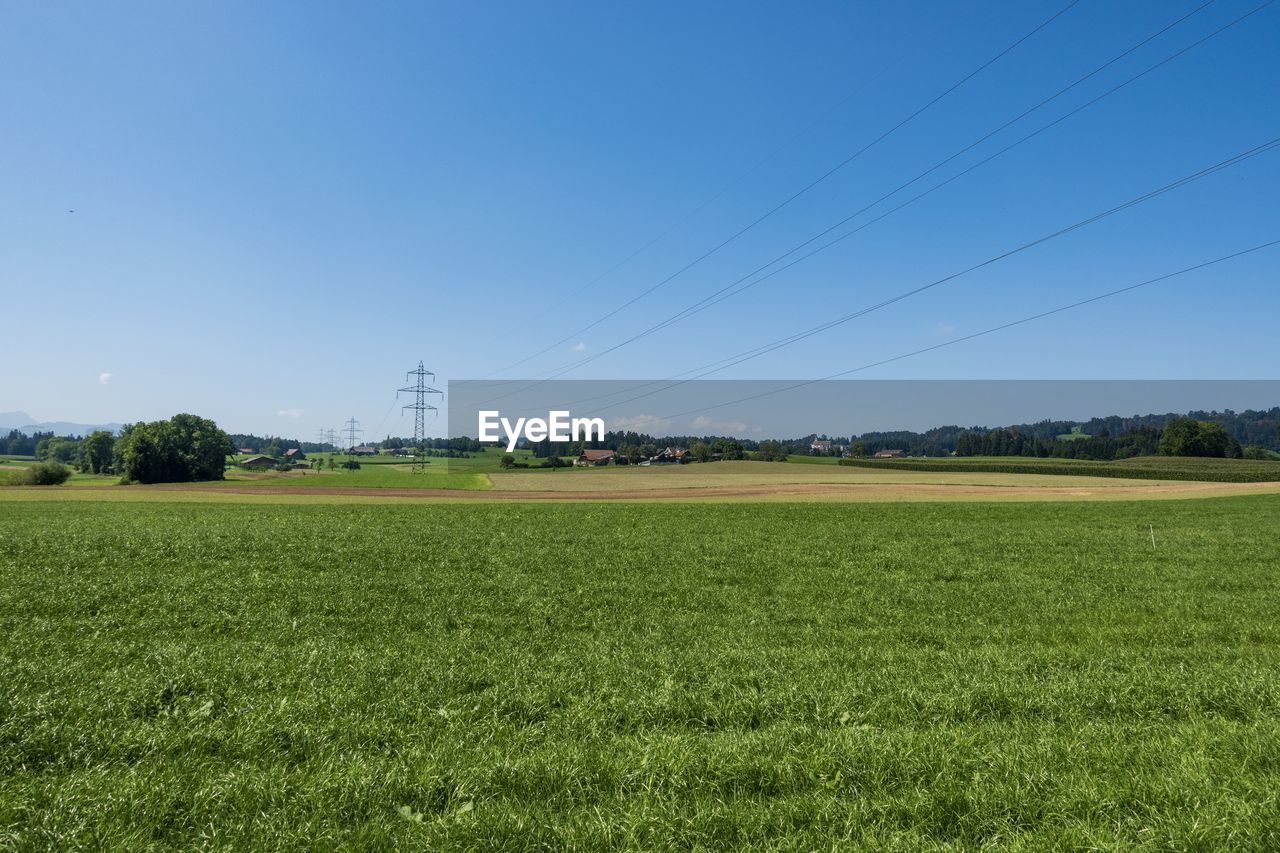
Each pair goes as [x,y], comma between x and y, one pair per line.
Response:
[42,474]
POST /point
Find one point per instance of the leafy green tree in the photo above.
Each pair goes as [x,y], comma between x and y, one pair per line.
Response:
[730,449]
[1181,437]
[1189,437]
[771,451]
[700,451]
[59,449]
[1214,439]
[858,450]
[179,450]
[97,449]
[351,465]
[507,461]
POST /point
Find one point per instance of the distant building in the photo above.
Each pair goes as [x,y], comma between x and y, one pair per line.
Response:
[670,456]
[364,450]
[888,454]
[257,463]
[821,445]
[245,450]
[595,457]
[294,454]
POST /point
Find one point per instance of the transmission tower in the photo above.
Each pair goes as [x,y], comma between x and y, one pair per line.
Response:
[420,389]
[352,427]
[332,436]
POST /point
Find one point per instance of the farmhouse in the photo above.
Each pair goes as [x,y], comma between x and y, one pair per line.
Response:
[595,457]
[827,445]
[364,450]
[244,450]
[888,454]
[294,454]
[257,463]
[670,456]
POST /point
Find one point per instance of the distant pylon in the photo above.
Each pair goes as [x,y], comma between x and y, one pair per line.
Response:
[420,406]
[352,427]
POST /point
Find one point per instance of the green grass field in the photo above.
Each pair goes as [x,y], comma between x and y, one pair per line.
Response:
[582,676]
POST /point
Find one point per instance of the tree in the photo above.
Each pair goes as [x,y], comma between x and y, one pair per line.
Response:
[179,450]
[730,449]
[351,465]
[858,450]
[771,451]
[1189,437]
[97,449]
[700,451]
[59,449]
[507,461]
[1214,439]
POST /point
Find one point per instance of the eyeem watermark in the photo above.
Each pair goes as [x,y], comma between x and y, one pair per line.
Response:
[558,426]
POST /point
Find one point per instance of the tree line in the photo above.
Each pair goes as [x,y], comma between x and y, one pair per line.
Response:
[1255,433]
[184,448]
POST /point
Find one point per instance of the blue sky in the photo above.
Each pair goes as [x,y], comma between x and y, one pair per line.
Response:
[279,208]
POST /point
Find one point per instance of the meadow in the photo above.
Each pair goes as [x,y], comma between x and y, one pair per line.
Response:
[710,474]
[647,676]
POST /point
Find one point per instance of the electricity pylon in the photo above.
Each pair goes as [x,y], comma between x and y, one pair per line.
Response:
[420,407]
[352,427]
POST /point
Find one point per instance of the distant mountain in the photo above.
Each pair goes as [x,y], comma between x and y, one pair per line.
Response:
[24,423]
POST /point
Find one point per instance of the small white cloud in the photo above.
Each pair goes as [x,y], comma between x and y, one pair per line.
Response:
[702,422]
[290,413]
[104,378]
[651,424]
[579,347]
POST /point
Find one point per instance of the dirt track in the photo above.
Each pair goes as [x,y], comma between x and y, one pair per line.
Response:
[849,491]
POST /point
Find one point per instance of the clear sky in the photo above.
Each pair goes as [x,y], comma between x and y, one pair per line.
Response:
[266,213]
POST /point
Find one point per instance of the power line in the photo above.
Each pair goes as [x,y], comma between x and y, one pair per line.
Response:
[748,355]
[984,332]
[815,182]
[743,284]
[714,197]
